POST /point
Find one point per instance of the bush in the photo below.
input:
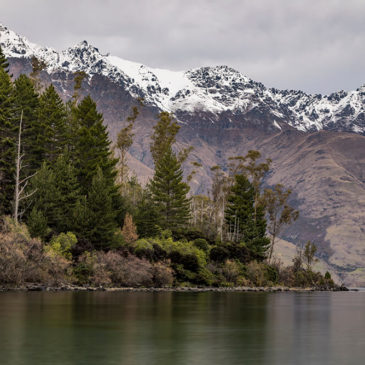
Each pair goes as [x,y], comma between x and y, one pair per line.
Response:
[62,244]
[23,259]
[111,268]
[256,273]
[202,244]
[219,254]
[162,275]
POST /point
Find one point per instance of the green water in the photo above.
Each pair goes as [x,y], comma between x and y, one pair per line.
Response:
[182,328]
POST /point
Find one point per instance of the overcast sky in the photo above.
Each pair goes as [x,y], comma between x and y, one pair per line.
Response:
[314,45]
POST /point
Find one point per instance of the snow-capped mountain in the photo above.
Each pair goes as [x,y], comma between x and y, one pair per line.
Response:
[210,89]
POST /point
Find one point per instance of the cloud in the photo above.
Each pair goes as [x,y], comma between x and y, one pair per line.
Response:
[313,45]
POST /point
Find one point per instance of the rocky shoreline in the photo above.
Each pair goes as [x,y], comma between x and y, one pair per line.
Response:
[277,289]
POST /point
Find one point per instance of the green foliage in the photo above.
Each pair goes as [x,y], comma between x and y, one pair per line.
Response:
[202,244]
[52,118]
[37,224]
[27,102]
[92,133]
[4,64]
[163,137]
[7,141]
[169,192]
[62,244]
[95,216]
[245,221]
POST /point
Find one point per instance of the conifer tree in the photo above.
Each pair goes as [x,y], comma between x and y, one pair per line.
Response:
[7,142]
[241,221]
[92,150]
[164,136]
[4,64]
[169,192]
[95,216]
[26,102]
[52,117]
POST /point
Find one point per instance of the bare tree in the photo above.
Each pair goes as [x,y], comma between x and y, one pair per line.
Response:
[20,184]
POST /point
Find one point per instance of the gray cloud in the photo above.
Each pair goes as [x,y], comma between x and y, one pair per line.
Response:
[313,45]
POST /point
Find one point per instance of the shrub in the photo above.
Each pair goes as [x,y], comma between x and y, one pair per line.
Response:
[111,268]
[219,254]
[162,275]
[202,244]
[256,273]
[62,244]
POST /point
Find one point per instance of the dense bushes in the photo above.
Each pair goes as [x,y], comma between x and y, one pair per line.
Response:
[147,262]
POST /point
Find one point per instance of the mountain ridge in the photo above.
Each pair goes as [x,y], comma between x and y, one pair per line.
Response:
[215,89]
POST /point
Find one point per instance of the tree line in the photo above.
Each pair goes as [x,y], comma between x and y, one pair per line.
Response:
[60,173]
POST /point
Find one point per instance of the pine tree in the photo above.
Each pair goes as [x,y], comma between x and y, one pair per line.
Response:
[164,136]
[7,142]
[241,221]
[52,118]
[169,192]
[92,148]
[147,216]
[95,216]
[4,64]
[26,102]
[68,192]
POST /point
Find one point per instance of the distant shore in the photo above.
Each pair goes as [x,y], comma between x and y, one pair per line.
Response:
[171,289]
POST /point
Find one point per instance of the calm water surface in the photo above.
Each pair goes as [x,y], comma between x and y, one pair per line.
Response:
[182,328]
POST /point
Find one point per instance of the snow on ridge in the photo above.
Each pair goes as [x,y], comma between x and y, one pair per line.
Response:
[213,89]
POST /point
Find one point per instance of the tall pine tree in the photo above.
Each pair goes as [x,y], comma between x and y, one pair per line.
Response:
[26,102]
[169,192]
[92,150]
[7,142]
[240,217]
[52,118]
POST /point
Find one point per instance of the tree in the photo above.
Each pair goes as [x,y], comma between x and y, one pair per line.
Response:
[4,64]
[7,142]
[92,150]
[244,223]
[129,231]
[52,119]
[147,217]
[95,216]
[279,212]
[124,142]
[310,250]
[163,137]
[26,102]
[169,192]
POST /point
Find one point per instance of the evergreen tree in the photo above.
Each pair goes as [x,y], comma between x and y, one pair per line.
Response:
[240,217]
[68,192]
[7,143]
[147,217]
[95,216]
[26,102]
[92,150]
[163,137]
[4,64]
[52,117]
[169,192]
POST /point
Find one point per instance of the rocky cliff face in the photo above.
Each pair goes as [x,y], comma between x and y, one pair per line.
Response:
[317,142]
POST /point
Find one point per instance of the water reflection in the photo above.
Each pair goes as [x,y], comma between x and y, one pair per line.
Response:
[181,328]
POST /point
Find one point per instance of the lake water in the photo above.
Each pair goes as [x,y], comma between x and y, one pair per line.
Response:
[182,328]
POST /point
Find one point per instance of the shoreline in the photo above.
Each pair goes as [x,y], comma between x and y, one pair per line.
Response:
[278,289]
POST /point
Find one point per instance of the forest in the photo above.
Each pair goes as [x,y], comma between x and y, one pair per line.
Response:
[73,213]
